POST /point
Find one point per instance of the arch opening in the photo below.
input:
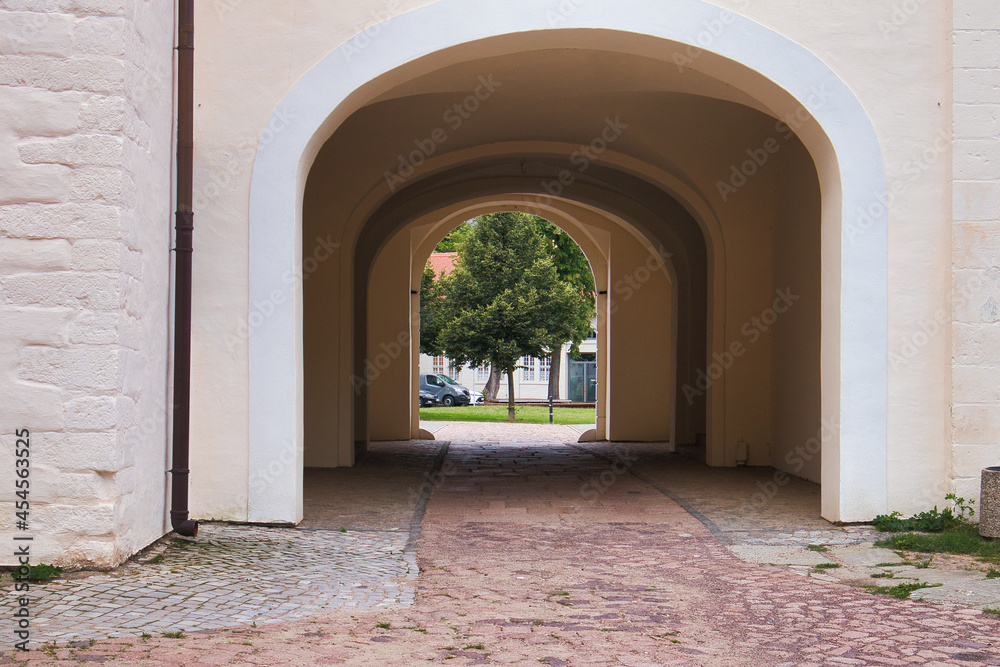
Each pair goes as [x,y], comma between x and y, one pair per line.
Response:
[541,375]
[624,259]
[733,283]
[614,359]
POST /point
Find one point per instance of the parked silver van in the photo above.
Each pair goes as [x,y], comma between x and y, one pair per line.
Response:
[445,390]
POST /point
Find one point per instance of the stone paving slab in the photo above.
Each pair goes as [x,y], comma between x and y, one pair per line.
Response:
[777,555]
[432,426]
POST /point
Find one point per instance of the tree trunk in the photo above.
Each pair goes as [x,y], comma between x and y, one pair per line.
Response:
[492,385]
[554,373]
[510,394]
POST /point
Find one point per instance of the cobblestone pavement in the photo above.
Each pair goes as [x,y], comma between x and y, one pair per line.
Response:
[746,505]
[229,575]
[232,575]
[523,560]
[380,492]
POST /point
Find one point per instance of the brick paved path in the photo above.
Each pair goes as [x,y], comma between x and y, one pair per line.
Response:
[745,504]
[524,561]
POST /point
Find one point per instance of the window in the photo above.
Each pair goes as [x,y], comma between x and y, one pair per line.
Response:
[483,373]
[544,365]
[453,370]
[528,369]
[438,365]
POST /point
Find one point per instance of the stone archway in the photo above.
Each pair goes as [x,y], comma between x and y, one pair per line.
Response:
[768,70]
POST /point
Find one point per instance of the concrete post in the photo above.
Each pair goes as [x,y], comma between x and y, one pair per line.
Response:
[989,502]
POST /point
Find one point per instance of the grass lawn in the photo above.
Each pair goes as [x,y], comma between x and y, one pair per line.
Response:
[964,539]
[525,414]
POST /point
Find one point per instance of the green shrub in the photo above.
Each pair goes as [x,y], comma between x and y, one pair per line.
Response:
[931,521]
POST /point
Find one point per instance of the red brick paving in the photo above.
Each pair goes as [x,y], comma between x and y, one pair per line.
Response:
[521,563]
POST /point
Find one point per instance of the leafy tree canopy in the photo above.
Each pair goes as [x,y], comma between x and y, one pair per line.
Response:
[521,287]
[573,268]
[431,300]
[455,238]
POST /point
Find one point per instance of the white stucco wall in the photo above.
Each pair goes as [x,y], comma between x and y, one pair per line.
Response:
[85,177]
[808,25]
[975,326]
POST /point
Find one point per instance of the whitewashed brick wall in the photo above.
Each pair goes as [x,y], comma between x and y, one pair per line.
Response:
[85,209]
[976,242]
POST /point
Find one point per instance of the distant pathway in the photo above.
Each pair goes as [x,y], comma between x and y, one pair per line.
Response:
[503,432]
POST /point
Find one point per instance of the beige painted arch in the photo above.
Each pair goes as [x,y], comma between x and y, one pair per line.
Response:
[720,449]
[635,424]
[781,75]
[353,414]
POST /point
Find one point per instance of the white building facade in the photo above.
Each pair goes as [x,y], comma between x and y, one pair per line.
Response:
[577,377]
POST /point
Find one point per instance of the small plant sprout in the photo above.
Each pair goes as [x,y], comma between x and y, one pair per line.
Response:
[40,572]
[900,591]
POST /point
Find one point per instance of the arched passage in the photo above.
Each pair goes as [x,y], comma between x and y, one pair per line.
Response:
[745,64]
[655,238]
[635,411]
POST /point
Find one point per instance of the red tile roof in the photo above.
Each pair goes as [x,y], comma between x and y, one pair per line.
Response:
[443,262]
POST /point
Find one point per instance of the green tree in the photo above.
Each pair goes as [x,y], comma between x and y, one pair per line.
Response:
[453,241]
[573,268]
[431,298]
[504,300]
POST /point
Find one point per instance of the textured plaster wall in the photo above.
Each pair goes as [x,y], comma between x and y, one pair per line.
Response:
[976,237]
[795,335]
[85,174]
[389,342]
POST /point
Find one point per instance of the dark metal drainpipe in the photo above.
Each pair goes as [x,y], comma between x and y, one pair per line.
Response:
[182,273]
